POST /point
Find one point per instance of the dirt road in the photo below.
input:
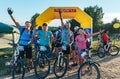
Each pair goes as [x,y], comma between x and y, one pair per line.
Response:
[109,69]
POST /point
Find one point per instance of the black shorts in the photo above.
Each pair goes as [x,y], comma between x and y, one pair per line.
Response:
[58,44]
[73,46]
[67,51]
[28,51]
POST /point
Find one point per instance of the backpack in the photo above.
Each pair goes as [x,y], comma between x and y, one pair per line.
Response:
[87,42]
[59,36]
[24,30]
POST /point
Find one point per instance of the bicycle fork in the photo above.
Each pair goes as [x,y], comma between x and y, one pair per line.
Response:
[60,60]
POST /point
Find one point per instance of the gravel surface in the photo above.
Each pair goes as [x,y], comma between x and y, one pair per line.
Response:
[109,69]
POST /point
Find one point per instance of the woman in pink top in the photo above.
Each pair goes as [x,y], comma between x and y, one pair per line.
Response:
[81,44]
[81,39]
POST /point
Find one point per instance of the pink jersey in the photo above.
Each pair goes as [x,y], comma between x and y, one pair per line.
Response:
[81,41]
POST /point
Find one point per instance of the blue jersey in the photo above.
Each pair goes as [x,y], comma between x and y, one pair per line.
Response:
[45,37]
[25,37]
[66,35]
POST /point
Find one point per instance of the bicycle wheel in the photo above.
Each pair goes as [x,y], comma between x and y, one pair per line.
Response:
[42,67]
[18,70]
[100,52]
[60,67]
[88,71]
[113,50]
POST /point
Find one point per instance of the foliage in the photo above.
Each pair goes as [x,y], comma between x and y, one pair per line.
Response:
[110,28]
[97,14]
[33,18]
[52,29]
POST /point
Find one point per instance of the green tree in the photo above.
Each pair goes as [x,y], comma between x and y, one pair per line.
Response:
[97,14]
[110,28]
[33,18]
[115,20]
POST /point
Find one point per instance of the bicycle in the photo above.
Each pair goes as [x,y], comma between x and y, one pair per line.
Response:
[42,63]
[17,64]
[89,69]
[107,49]
[60,64]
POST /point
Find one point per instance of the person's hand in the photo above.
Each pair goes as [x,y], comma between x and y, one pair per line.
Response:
[60,11]
[35,25]
[10,11]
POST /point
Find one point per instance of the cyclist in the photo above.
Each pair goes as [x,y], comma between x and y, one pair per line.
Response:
[74,52]
[67,38]
[58,37]
[46,38]
[26,37]
[106,39]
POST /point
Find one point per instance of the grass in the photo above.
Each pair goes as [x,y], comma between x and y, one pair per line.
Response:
[4,69]
[4,51]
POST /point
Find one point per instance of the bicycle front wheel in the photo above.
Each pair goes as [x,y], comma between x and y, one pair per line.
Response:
[100,52]
[113,50]
[42,67]
[60,67]
[18,70]
[88,71]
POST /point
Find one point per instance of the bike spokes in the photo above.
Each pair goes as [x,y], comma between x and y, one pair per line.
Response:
[18,71]
[113,50]
[60,67]
[42,67]
[88,72]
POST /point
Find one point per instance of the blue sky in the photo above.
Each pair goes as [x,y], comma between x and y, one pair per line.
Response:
[24,9]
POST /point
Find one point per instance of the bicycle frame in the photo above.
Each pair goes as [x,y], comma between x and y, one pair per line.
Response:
[89,57]
[60,53]
[16,55]
[15,51]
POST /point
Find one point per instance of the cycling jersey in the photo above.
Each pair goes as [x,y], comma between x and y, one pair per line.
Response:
[66,35]
[25,37]
[44,37]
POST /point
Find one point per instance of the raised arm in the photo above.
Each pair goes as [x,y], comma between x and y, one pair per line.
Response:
[61,19]
[97,33]
[10,12]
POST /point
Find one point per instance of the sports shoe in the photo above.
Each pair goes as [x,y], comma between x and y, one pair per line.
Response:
[69,67]
[74,64]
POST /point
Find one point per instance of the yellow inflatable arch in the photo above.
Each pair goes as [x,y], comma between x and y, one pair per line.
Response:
[67,13]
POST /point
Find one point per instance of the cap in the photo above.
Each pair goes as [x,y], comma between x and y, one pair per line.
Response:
[76,28]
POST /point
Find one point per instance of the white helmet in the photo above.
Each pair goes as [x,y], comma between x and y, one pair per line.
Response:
[76,28]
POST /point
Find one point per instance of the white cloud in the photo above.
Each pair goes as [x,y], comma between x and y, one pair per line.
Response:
[108,17]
